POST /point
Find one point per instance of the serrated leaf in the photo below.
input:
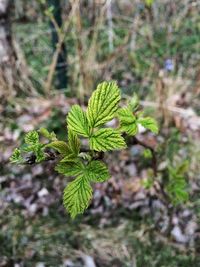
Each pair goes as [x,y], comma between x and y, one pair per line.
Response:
[127,121]
[73,168]
[106,139]
[16,156]
[149,123]
[77,193]
[77,196]
[125,115]
[69,158]
[77,121]
[130,129]
[97,171]
[103,104]
[60,146]
[74,143]
[32,138]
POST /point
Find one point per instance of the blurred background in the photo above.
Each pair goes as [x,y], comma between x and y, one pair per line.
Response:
[53,53]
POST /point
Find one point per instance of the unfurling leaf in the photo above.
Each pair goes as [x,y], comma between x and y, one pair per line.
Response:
[77,121]
[32,138]
[33,145]
[60,146]
[106,139]
[133,103]
[51,136]
[77,196]
[39,152]
[149,123]
[16,156]
[125,115]
[127,121]
[103,104]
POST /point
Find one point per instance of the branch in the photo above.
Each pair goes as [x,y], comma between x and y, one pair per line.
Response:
[161,190]
[154,158]
[50,156]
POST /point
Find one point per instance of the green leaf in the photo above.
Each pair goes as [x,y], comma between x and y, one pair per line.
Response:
[125,115]
[149,123]
[103,104]
[130,129]
[16,156]
[149,3]
[77,121]
[39,152]
[133,103]
[183,168]
[97,171]
[106,139]
[127,121]
[177,186]
[77,196]
[74,143]
[32,138]
[51,136]
[60,146]
[147,153]
[73,168]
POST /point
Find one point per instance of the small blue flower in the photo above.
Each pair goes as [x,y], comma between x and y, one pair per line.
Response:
[169,65]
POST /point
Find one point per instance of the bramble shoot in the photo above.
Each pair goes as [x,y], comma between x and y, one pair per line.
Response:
[87,166]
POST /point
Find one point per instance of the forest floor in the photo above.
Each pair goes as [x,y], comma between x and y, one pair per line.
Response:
[126,225]
[123,226]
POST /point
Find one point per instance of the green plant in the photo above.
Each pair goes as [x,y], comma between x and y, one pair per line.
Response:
[86,165]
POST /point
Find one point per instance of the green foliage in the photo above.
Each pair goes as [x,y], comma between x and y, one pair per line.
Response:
[16,156]
[149,2]
[79,192]
[149,123]
[147,183]
[103,104]
[97,171]
[34,146]
[77,196]
[177,184]
[128,122]
[74,143]
[147,153]
[77,121]
[50,136]
[72,168]
[106,139]
[60,146]
[84,165]
[32,138]
[134,103]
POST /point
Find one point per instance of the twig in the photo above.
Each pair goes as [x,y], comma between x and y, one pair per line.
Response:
[154,158]
[165,197]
